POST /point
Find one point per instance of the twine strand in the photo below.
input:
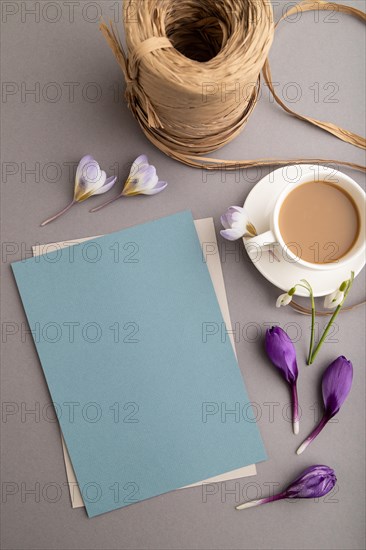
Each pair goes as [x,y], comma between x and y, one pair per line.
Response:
[319,313]
[302,7]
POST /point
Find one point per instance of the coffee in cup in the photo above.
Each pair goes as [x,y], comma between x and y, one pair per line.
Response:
[319,222]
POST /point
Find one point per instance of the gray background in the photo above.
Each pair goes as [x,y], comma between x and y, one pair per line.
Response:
[37,130]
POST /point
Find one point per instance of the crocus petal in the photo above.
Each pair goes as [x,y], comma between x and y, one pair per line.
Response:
[79,170]
[92,174]
[231,234]
[237,222]
[234,218]
[93,187]
[282,353]
[224,221]
[138,164]
[314,482]
[146,179]
[237,209]
[160,186]
[89,179]
[336,384]
[333,300]
[109,182]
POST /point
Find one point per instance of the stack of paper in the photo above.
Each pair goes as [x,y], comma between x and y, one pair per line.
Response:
[126,337]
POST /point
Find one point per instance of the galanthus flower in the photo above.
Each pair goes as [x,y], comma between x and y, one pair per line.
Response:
[336,385]
[314,482]
[333,300]
[142,180]
[89,180]
[236,224]
[285,299]
[281,352]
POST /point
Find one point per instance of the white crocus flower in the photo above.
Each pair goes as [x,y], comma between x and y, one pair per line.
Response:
[236,224]
[89,180]
[142,180]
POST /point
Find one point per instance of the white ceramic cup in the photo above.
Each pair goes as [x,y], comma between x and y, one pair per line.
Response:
[273,235]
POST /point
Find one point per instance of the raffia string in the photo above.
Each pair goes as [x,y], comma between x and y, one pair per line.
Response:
[188,61]
[307,311]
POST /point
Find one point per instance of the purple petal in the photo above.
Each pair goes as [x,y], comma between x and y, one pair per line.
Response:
[316,481]
[336,384]
[281,352]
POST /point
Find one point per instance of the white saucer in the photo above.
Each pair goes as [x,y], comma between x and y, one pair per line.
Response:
[283,273]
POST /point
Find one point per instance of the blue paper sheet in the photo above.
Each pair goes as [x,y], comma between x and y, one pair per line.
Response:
[129,334]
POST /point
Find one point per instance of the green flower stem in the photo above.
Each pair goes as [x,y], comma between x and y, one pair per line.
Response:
[309,288]
[312,327]
[331,321]
[325,334]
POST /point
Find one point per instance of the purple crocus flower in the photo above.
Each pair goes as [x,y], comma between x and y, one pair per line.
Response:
[281,352]
[314,482]
[336,385]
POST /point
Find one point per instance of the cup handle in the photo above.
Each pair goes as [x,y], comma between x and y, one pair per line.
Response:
[262,240]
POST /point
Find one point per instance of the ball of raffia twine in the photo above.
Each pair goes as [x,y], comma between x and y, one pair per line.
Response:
[192,71]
